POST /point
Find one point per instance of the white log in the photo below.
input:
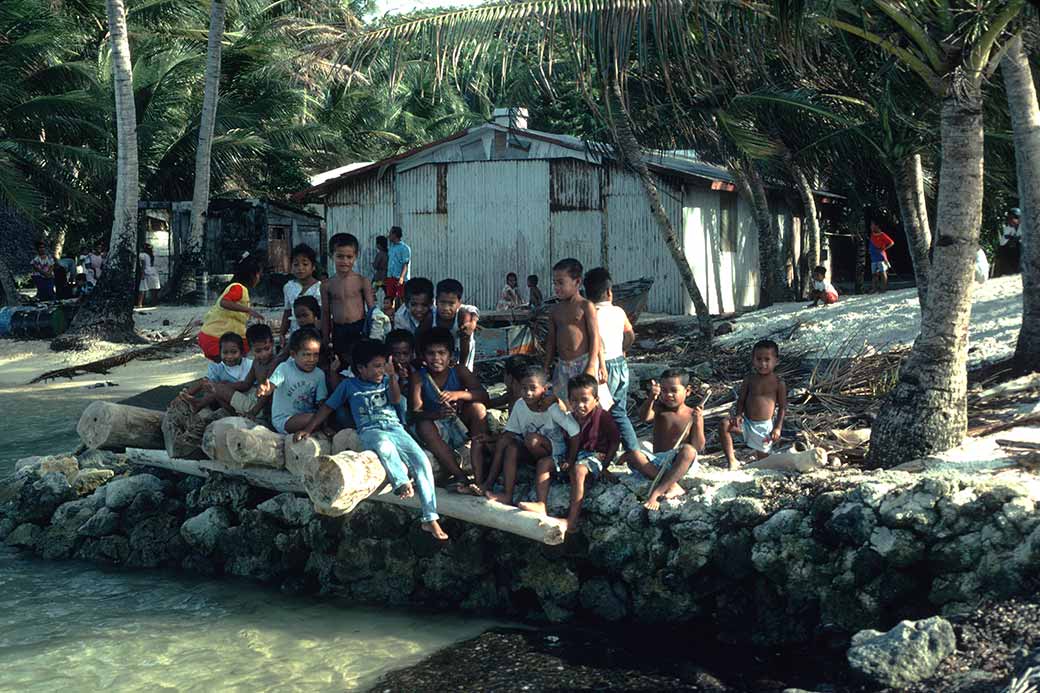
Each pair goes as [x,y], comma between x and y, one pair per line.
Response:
[298,453]
[792,461]
[478,511]
[346,440]
[337,483]
[111,426]
[260,447]
[214,440]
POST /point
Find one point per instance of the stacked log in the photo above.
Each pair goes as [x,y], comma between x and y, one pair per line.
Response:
[259,447]
[337,483]
[183,429]
[111,426]
[214,439]
[298,453]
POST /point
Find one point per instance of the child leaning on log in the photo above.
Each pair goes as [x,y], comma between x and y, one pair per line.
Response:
[374,398]
[760,407]
[231,368]
[241,397]
[678,435]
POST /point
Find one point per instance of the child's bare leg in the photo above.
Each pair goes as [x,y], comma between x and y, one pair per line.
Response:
[431,439]
[543,477]
[538,446]
[501,445]
[669,487]
[726,439]
[637,461]
[475,417]
[222,393]
[579,473]
[297,422]
[509,462]
[204,402]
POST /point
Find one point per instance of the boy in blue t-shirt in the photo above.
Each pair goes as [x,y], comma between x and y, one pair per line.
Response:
[374,398]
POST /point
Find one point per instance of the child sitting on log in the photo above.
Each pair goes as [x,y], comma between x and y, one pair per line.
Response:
[678,435]
[449,406]
[297,386]
[760,408]
[537,428]
[598,442]
[241,397]
[374,398]
[231,368]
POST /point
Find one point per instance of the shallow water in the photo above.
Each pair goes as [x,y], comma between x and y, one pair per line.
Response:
[76,626]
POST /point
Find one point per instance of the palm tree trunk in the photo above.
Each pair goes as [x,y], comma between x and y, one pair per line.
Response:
[190,261]
[9,295]
[632,154]
[811,221]
[770,263]
[1025,121]
[909,186]
[108,313]
[926,412]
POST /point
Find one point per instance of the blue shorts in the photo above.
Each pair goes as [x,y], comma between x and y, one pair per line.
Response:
[586,458]
[663,460]
[879,267]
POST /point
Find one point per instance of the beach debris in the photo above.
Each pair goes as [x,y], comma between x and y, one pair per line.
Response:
[105,383]
[724,328]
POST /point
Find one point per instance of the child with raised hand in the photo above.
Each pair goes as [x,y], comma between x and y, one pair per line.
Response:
[822,289]
[374,398]
[401,344]
[418,299]
[347,297]
[678,435]
[241,397]
[573,342]
[598,441]
[537,428]
[761,406]
[459,318]
[303,283]
[298,385]
[441,396]
[231,368]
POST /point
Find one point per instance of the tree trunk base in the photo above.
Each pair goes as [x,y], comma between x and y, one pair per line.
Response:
[915,422]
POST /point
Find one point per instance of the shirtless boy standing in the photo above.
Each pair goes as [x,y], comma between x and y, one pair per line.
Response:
[573,341]
[760,407]
[678,435]
[347,297]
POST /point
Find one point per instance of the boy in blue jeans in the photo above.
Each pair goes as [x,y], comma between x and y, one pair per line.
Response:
[374,398]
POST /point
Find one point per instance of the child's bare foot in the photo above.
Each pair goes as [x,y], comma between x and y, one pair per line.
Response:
[675,492]
[499,496]
[654,502]
[533,507]
[465,488]
[733,463]
[571,524]
[434,528]
[404,490]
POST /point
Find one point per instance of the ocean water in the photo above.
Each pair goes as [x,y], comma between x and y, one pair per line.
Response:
[79,627]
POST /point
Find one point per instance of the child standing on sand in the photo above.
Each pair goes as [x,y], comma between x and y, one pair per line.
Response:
[573,342]
[879,244]
[760,407]
[374,398]
[534,294]
[598,442]
[347,296]
[303,283]
[298,384]
[678,435]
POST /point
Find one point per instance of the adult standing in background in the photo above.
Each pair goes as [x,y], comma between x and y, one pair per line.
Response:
[379,263]
[149,275]
[1009,252]
[398,265]
[43,272]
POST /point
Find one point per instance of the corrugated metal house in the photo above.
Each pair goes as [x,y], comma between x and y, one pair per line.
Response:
[495,199]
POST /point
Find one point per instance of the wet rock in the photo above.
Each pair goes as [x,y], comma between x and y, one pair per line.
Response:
[62,464]
[250,549]
[852,523]
[121,492]
[7,526]
[101,523]
[87,481]
[144,505]
[909,652]
[40,496]
[555,584]
[203,531]
[744,512]
[60,537]
[24,536]
[899,547]
[288,508]
[109,549]
[156,541]
[600,597]
[228,492]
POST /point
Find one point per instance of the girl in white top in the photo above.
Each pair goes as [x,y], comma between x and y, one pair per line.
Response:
[303,283]
[149,275]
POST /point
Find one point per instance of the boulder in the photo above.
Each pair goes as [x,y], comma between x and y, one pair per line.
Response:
[63,464]
[156,541]
[288,508]
[40,496]
[59,539]
[225,491]
[121,492]
[909,652]
[101,523]
[203,531]
[109,549]
[24,536]
[87,481]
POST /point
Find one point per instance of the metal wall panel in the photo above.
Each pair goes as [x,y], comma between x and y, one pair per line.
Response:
[365,208]
[712,267]
[745,259]
[577,235]
[425,229]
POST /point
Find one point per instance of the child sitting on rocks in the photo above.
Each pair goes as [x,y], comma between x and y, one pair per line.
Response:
[241,397]
[760,408]
[598,442]
[678,435]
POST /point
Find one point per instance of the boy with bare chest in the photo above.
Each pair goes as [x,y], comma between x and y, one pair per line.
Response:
[573,341]
[347,296]
[760,407]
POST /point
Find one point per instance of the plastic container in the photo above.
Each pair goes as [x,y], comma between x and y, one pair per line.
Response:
[32,323]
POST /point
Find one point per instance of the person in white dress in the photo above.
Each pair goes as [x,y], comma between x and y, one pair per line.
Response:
[149,276]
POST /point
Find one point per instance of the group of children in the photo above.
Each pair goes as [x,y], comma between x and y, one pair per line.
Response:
[415,388]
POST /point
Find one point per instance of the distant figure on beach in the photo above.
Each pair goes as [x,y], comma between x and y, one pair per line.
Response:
[347,297]
[573,344]
[760,408]
[1009,252]
[303,283]
[91,261]
[231,312]
[149,283]
[879,244]
[822,289]
[43,272]
[510,299]
[534,294]
[398,264]
[379,264]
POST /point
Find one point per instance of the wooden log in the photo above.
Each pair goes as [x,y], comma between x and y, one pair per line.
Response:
[183,429]
[792,461]
[259,447]
[214,439]
[337,483]
[298,453]
[111,426]
[346,440]
[470,509]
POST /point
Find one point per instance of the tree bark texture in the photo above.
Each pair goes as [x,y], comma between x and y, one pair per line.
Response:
[632,153]
[1025,121]
[108,312]
[909,185]
[810,221]
[9,295]
[926,412]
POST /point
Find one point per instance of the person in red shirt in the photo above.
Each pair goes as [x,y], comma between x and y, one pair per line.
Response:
[880,242]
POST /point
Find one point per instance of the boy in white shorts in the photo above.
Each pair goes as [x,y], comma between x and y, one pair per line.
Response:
[760,407]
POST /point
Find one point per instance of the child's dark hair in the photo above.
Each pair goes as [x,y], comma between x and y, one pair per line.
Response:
[310,303]
[511,274]
[517,364]
[418,286]
[437,336]
[450,286]
[382,243]
[302,335]
[581,382]
[341,240]
[569,265]
[597,284]
[679,373]
[259,333]
[232,338]
[306,251]
[766,344]
[534,370]
[247,268]
[400,337]
[396,231]
[532,280]
[820,269]
[366,350]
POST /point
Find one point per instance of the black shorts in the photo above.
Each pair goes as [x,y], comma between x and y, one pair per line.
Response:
[345,336]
